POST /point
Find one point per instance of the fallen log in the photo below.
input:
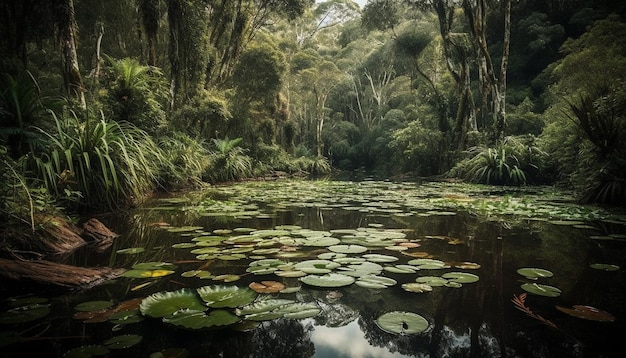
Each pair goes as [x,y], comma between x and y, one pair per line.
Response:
[52,273]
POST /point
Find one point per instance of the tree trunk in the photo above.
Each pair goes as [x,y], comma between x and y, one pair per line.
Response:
[500,101]
[52,273]
[66,24]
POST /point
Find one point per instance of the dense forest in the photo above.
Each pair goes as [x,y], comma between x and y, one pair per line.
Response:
[105,102]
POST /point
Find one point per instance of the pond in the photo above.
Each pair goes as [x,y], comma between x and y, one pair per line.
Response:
[293,268]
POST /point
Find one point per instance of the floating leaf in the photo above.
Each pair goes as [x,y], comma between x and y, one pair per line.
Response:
[86,351]
[460,277]
[348,249]
[328,280]
[379,258]
[162,304]
[263,305]
[428,264]
[605,267]
[416,287]
[93,306]
[227,278]
[402,323]
[154,266]
[198,319]
[433,281]
[541,290]
[24,314]
[124,341]
[226,296]
[466,265]
[316,266]
[147,273]
[534,273]
[588,313]
[267,286]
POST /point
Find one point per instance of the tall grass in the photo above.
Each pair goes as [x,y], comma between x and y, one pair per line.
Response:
[229,161]
[187,159]
[107,162]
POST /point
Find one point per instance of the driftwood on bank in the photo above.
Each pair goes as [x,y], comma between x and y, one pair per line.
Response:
[53,273]
[58,237]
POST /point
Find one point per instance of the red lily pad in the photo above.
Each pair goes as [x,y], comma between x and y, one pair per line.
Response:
[588,313]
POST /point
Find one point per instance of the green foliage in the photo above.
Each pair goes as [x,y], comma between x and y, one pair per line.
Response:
[229,161]
[203,116]
[419,149]
[137,95]
[315,166]
[186,160]
[587,118]
[107,162]
[20,108]
[513,161]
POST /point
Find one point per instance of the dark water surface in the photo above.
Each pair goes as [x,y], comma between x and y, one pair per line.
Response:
[476,320]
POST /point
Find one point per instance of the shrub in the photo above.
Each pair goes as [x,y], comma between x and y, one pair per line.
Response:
[228,161]
[108,162]
[513,161]
[187,159]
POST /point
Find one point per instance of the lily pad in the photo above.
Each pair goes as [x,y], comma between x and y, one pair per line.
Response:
[433,281]
[417,287]
[399,322]
[541,290]
[588,313]
[93,306]
[154,266]
[428,264]
[226,296]
[460,277]
[162,304]
[266,286]
[348,249]
[604,267]
[534,273]
[123,341]
[316,266]
[380,258]
[24,314]
[86,351]
[263,305]
[147,273]
[328,280]
[199,319]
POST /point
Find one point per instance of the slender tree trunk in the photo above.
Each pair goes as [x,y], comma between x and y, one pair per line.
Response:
[66,23]
[175,18]
[500,101]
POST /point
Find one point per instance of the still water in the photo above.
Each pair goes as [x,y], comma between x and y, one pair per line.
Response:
[220,236]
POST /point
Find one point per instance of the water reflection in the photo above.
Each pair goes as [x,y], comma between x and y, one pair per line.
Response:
[347,342]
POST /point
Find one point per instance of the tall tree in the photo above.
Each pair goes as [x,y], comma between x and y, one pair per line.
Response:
[66,37]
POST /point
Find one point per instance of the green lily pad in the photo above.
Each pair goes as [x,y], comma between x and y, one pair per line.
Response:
[328,280]
[123,341]
[24,314]
[460,277]
[316,266]
[184,245]
[93,306]
[400,269]
[162,304]
[300,310]
[131,250]
[428,264]
[154,266]
[541,290]
[226,296]
[433,281]
[147,273]
[348,249]
[375,282]
[417,287]
[264,305]
[380,258]
[126,317]
[323,241]
[604,267]
[86,351]
[534,273]
[198,319]
[399,322]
